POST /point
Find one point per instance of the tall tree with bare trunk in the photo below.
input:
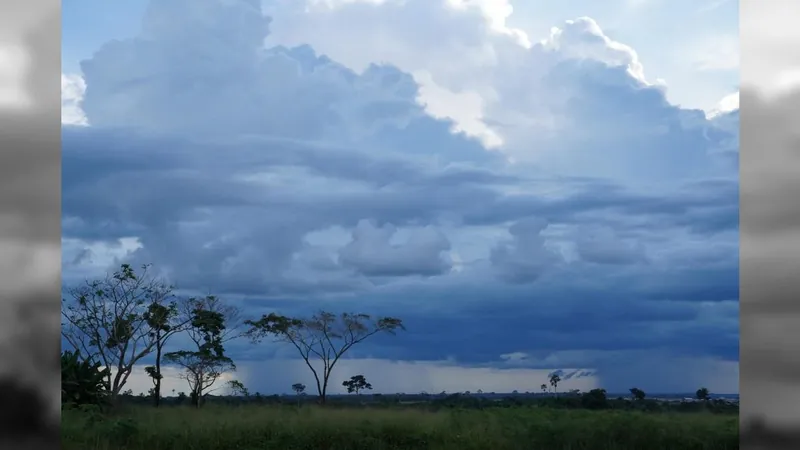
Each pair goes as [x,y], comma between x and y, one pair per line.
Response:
[324,337]
[107,319]
[164,322]
[213,323]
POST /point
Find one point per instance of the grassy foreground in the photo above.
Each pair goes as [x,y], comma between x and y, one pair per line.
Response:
[286,428]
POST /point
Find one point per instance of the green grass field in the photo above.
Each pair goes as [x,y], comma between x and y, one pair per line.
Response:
[254,427]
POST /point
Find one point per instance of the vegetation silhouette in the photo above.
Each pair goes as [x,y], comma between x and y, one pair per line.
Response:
[324,336]
[128,317]
[356,383]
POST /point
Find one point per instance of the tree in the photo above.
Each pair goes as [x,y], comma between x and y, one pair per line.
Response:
[164,321]
[83,381]
[702,394]
[107,319]
[543,388]
[554,380]
[356,384]
[637,394]
[324,336]
[299,388]
[206,362]
[595,399]
[238,388]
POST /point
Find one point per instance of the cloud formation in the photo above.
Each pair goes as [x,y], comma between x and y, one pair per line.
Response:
[600,233]
[72,89]
[372,253]
[525,257]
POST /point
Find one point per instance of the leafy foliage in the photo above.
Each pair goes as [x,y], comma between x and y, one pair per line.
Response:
[238,388]
[206,362]
[163,321]
[108,319]
[83,381]
[638,394]
[595,399]
[356,383]
[554,380]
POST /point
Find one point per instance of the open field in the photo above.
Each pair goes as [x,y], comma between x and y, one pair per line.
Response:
[253,427]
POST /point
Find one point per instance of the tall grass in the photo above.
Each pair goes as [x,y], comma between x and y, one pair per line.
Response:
[254,427]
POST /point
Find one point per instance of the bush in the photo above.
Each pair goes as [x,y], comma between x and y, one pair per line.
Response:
[82,381]
[595,399]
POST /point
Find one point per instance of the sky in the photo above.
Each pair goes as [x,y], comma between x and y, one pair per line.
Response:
[530,187]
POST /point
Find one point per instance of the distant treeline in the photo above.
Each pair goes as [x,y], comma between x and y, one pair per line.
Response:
[595,399]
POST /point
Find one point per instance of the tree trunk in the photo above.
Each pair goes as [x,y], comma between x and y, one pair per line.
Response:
[157,389]
[325,379]
[113,400]
[114,394]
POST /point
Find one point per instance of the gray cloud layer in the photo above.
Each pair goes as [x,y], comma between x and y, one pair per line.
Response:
[282,178]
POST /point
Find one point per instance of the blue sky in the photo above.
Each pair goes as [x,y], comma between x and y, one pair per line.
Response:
[548,188]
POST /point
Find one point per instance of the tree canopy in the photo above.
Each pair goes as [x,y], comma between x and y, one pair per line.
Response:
[324,337]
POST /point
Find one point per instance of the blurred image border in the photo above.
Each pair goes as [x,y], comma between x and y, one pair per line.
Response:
[769,226]
[30,221]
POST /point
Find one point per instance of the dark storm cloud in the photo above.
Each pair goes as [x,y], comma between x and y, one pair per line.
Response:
[249,177]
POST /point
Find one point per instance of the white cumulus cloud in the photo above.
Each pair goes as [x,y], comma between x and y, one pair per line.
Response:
[72,89]
[264,157]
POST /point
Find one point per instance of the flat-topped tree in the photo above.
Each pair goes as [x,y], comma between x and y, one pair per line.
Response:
[299,388]
[324,336]
[356,383]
